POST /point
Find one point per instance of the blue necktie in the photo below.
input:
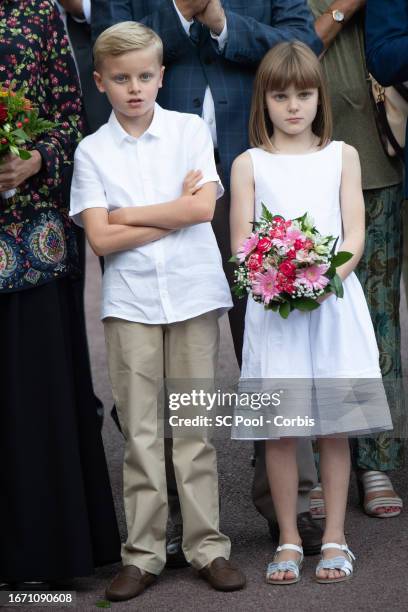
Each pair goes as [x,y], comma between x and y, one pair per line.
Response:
[195,32]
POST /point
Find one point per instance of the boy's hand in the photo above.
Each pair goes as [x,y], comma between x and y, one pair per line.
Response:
[117,217]
[190,183]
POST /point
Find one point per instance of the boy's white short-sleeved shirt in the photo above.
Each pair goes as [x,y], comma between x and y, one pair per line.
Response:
[179,276]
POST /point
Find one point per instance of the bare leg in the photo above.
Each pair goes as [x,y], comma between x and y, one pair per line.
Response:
[335,473]
[281,466]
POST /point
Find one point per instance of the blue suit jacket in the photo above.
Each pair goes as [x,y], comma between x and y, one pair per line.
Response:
[387,46]
[254,26]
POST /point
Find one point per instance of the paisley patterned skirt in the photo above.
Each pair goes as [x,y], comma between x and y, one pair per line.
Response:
[379,272]
[57,517]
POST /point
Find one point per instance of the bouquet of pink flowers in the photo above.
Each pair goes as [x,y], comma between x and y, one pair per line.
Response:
[287,265]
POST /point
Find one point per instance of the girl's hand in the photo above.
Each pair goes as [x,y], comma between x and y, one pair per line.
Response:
[191,181]
[324,297]
[15,171]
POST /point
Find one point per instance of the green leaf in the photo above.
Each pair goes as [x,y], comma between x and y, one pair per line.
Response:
[103,603]
[24,154]
[272,306]
[14,150]
[336,286]
[266,214]
[240,292]
[341,258]
[301,219]
[233,259]
[305,304]
[333,249]
[20,133]
[284,310]
[330,272]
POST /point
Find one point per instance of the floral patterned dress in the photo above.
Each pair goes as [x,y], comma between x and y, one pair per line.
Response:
[57,519]
[37,240]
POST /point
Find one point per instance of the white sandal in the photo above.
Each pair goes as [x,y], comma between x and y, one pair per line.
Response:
[339,563]
[285,566]
[373,480]
[317,503]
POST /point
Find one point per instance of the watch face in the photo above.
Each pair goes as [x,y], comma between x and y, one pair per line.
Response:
[338,16]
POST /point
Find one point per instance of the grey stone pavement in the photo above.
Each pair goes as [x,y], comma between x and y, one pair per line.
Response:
[381,546]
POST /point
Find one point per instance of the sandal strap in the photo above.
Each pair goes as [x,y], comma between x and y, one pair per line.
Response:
[376,481]
[317,488]
[383,502]
[283,566]
[342,547]
[317,503]
[294,547]
[338,563]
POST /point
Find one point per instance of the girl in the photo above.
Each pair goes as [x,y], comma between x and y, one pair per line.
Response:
[295,168]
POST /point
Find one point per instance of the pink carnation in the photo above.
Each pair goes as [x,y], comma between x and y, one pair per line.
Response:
[313,276]
[264,245]
[247,248]
[265,285]
[294,234]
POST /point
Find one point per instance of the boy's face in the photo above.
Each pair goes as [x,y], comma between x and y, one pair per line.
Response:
[131,82]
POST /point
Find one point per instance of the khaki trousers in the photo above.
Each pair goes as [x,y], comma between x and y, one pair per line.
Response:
[139,357]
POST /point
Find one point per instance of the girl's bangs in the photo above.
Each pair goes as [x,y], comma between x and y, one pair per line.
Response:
[292,71]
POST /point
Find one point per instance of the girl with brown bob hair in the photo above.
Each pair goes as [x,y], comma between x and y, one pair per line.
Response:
[293,168]
[289,63]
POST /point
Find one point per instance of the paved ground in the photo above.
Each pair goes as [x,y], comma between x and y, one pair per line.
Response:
[380,582]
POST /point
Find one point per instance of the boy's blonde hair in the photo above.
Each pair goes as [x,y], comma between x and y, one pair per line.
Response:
[288,63]
[124,37]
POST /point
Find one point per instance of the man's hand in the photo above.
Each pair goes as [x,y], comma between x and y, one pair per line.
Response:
[189,8]
[212,16]
[74,7]
[14,171]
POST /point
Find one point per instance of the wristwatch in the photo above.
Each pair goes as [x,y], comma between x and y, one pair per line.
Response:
[338,16]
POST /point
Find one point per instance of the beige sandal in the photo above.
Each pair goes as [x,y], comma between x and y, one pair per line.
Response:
[372,480]
[317,507]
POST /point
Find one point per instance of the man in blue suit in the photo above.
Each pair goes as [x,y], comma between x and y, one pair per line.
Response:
[211,53]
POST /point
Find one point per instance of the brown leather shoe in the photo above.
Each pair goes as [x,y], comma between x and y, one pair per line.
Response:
[128,583]
[223,575]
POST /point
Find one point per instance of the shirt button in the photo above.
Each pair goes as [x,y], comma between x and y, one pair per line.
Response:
[211,121]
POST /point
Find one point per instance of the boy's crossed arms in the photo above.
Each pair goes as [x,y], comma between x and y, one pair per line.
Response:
[133,226]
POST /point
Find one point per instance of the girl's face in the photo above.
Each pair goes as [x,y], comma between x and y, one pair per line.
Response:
[292,111]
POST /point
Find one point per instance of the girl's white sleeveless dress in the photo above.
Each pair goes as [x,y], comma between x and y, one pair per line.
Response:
[327,360]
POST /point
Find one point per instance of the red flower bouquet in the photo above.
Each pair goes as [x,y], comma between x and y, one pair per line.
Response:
[287,265]
[19,124]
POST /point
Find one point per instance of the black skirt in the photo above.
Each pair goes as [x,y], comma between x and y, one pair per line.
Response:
[57,517]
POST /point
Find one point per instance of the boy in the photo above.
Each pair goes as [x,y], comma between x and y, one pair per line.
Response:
[163,290]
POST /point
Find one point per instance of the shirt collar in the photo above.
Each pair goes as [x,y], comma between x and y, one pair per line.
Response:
[155,129]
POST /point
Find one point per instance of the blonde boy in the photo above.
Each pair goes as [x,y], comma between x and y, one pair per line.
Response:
[144,188]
